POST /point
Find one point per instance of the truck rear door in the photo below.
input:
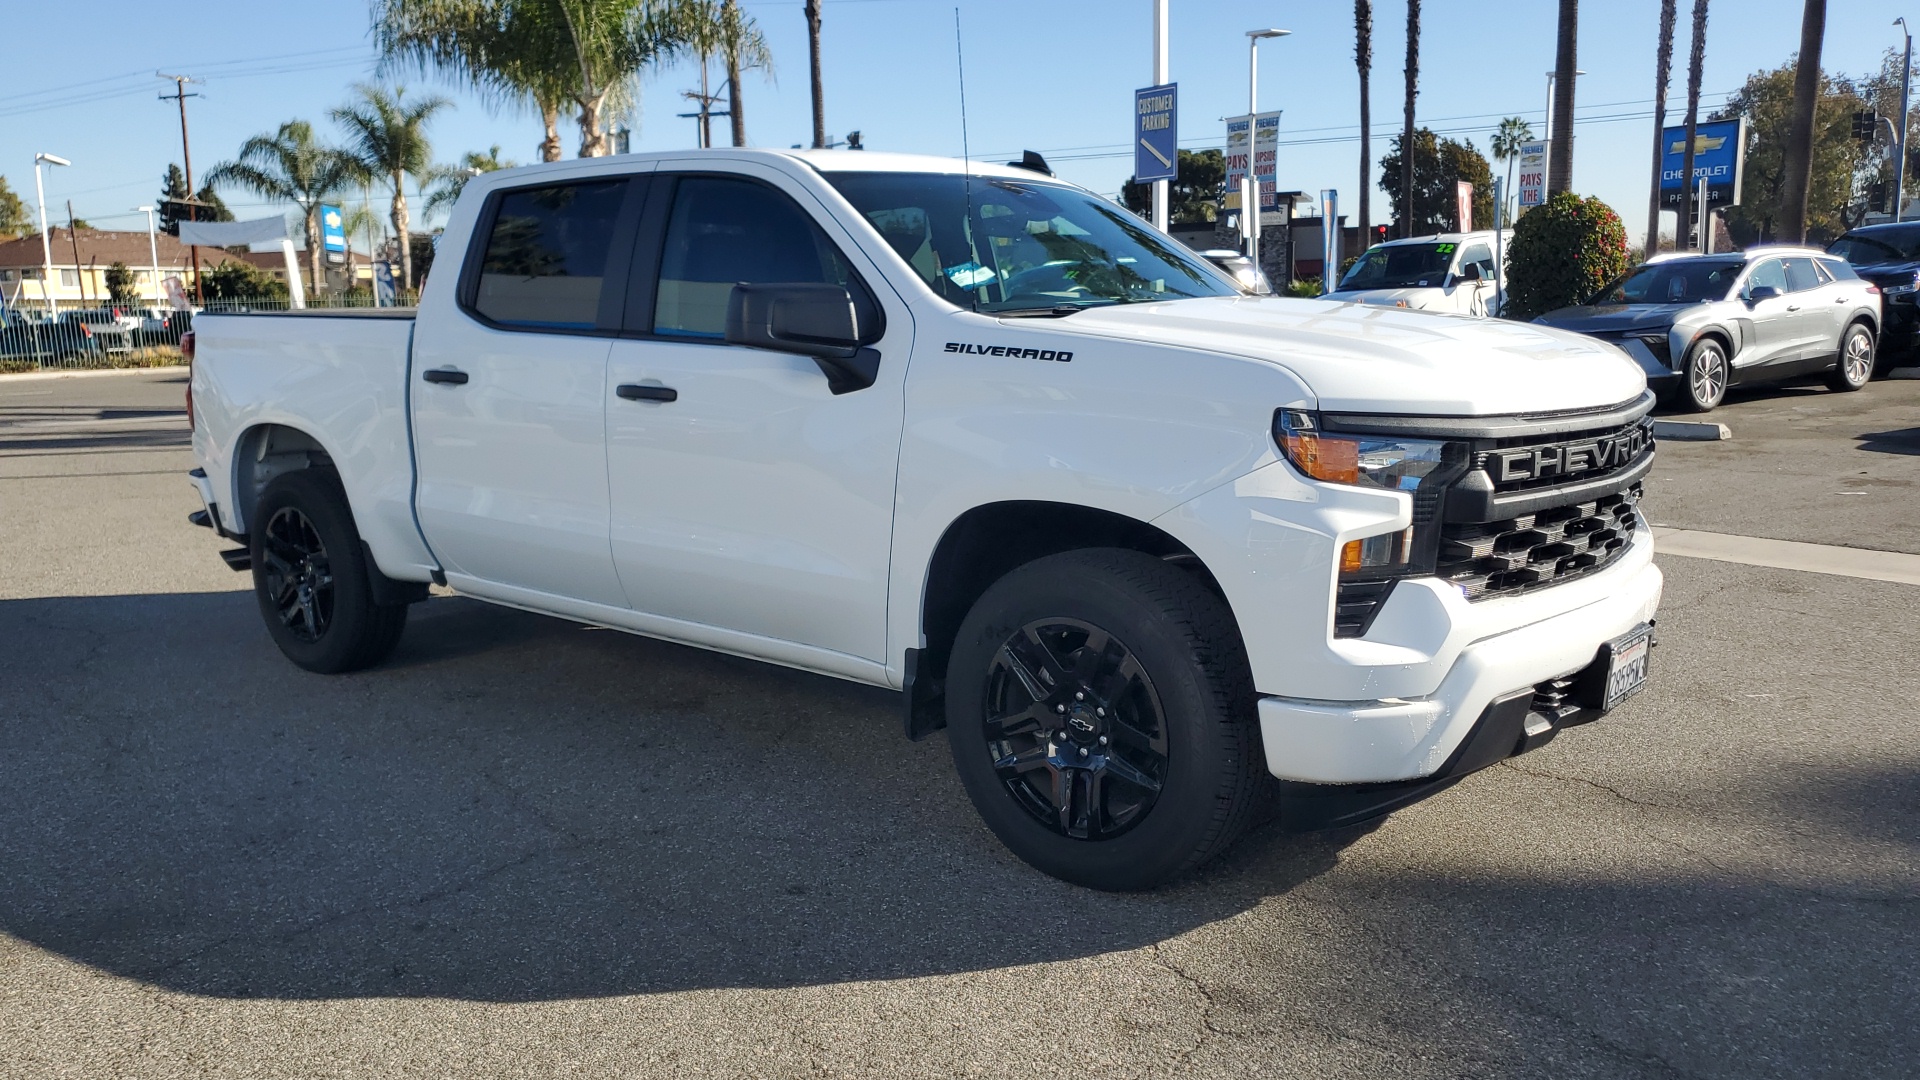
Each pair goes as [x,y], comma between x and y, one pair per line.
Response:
[509,392]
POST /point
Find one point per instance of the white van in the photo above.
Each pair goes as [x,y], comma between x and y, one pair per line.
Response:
[1453,272]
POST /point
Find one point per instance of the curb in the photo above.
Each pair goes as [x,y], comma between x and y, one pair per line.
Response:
[1904,373]
[87,373]
[1691,431]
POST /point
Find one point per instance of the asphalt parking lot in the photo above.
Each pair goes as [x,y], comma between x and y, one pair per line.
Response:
[525,847]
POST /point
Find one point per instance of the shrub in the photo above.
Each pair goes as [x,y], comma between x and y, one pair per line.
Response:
[236,280]
[1562,252]
[1306,288]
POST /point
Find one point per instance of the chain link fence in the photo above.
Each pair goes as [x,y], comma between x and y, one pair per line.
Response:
[136,335]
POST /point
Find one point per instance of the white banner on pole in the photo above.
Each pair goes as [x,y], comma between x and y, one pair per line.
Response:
[1533,174]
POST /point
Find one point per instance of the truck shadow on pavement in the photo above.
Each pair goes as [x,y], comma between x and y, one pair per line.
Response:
[1904,441]
[515,808]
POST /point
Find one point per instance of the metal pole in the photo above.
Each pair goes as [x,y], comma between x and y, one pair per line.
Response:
[1900,147]
[46,244]
[1499,245]
[1162,189]
[1549,124]
[1706,221]
[153,251]
[186,157]
[1250,209]
[1329,239]
[73,238]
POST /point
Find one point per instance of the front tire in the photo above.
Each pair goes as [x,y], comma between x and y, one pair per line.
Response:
[1703,384]
[1101,716]
[311,578]
[1855,366]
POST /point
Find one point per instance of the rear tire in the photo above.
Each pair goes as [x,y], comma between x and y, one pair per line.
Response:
[1854,366]
[311,578]
[1704,377]
[1101,716]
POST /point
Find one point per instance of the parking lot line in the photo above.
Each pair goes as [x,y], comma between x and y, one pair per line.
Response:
[1790,555]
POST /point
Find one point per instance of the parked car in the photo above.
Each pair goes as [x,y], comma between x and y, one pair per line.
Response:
[1888,255]
[1446,272]
[1698,324]
[1134,539]
[1241,269]
[102,330]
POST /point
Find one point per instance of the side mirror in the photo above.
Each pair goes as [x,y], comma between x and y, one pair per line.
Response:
[1762,292]
[811,320]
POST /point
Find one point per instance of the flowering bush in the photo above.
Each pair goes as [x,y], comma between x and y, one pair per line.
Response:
[1562,252]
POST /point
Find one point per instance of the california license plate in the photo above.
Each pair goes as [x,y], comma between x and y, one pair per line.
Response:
[1627,666]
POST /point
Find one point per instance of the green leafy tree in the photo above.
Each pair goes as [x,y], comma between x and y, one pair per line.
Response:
[175,207]
[120,284]
[239,280]
[713,28]
[1512,134]
[445,182]
[1438,164]
[387,140]
[1766,100]
[1562,252]
[1194,196]
[15,219]
[290,166]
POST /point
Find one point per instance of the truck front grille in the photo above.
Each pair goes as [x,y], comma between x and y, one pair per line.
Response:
[1532,551]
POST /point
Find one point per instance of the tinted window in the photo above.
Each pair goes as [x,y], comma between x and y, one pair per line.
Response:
[724,232]
[1478,255]
[1801,275]
[1898,243]
[1682,281]
[1839,270]
[546,257]
[1767,272]
[1399,266]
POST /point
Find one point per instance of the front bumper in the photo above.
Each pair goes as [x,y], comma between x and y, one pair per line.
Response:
[1409,738]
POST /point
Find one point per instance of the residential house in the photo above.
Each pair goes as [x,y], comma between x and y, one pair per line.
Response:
[83,282]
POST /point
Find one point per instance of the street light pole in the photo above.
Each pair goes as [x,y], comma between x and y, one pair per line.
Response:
[1250,202]
[1900,145]
[46,243]
[1549,124]
[1162,189]
[153,249]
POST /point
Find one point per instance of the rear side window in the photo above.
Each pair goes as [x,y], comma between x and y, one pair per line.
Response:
[722,232]
[1801,275]
[546,257]
[1839,270]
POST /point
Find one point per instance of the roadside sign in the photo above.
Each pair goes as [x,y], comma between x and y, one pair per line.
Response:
[1719,158]
[1463,204]
[382,284]
[1253,141]
[1239,156]
[333,234]
[1156,133]
[176,292]
[1533,174]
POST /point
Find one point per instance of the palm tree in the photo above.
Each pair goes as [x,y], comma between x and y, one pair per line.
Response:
[813,55]
[443,183]
[1513,133]
[717,28]
[1696,59]
[1806,87]
[289,166]
[1363,59]
[1662,75]
[1406,135]
[1560,152]
[387,140]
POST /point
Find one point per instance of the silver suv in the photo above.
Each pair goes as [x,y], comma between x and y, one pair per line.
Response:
[1698,324]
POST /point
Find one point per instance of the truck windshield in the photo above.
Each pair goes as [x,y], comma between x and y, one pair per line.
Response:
[1691,281]
[1878,246]
[1004,245]
[1400,266]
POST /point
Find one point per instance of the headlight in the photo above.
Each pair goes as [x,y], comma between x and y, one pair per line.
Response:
[1383,462]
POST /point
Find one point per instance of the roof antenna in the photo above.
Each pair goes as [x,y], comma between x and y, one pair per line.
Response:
[966,154]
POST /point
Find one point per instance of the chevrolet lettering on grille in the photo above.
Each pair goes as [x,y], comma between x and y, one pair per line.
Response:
[1567,459]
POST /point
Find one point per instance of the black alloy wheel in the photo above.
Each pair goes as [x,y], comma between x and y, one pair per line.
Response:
[1075,729]
[299,577]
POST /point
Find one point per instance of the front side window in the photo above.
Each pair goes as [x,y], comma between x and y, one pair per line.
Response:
[724,232]
[996,244]
[1479,255]
[1684,281]
[1767,272]
[546,258]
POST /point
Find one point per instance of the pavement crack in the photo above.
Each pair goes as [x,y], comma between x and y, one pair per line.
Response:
[1595,784]
[1208,1027]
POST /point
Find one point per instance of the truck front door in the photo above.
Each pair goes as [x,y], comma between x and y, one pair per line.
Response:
[746,495]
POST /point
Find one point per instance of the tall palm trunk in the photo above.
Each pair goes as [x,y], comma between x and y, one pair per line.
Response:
[400,223]
[550,147]
[593,141]
[1696,59]
[735,112]
[1560,154]
[1405,208]
[813,55]
[1662,75]
[314,271]
[1806,86]
[1363,59]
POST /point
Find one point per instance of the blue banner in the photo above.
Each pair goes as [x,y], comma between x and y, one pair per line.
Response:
[1156,133]
[1719,158]
[333,234]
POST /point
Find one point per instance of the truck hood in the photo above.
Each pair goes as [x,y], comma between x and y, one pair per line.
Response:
[1614,318]
[1414,297]
[1365,358]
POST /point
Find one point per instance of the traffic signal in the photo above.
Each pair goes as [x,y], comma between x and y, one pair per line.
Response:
[1379,234]
[1864,122]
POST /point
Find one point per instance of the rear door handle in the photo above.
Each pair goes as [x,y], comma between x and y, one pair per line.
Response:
[637,392]
[1793,307]
[449,376]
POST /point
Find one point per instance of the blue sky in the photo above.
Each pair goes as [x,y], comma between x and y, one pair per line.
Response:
[1051,75]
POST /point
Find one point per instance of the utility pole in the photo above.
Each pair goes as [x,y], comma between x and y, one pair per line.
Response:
[1162,189]
[186,155]
[1900,144]
[73,238]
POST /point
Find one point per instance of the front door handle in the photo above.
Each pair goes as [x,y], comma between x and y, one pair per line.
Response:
[1793,307]
[638,392]
[448,376]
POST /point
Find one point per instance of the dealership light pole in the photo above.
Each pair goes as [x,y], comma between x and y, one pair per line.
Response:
[1900,143]
[1250,202]
[1548,126]
[153,249]
[46,244]
[1162,189]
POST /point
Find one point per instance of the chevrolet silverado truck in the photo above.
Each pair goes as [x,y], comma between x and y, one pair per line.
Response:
[1162,559]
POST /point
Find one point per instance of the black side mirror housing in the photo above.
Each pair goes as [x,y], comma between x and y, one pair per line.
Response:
[809,319]
[1762,292]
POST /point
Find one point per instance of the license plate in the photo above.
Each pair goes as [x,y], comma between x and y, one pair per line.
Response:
[1627,666]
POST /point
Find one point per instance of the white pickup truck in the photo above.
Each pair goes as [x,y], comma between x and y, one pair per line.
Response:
[1134,539]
